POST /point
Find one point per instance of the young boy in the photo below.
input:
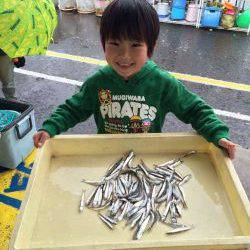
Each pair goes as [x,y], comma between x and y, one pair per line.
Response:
[131,94]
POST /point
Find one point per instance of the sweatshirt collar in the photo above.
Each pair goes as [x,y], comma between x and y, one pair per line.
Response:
[145,70]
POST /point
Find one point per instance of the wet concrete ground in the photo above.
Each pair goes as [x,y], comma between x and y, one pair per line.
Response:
[215,54]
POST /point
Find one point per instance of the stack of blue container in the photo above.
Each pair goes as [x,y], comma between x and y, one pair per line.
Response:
[211,17]
[178,9]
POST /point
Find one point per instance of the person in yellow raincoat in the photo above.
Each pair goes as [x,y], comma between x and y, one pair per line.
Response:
[7,74]
[26,28]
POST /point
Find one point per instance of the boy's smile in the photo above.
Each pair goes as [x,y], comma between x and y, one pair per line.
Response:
[126,57]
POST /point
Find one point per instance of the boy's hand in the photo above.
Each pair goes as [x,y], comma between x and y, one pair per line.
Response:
[229,146]
[40,137]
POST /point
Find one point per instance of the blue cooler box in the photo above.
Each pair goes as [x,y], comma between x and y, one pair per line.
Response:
[16,139]
[177,13]
[211,17]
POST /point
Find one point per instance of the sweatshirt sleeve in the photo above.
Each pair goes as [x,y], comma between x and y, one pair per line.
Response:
[191,109]
[76,109]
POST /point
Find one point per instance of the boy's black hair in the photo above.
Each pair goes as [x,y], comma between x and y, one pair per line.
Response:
[134,20]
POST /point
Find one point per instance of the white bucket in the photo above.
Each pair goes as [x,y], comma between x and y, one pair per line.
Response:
[192,12]
[162,10]
[85,6]
[67,5]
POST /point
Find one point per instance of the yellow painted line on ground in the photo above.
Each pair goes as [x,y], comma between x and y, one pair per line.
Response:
[180,76]
[210,81]
[76,58]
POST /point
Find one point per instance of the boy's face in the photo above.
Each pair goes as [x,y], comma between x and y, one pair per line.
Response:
[126,57]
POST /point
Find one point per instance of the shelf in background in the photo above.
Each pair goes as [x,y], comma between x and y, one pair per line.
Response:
[235,29]
[183,22]
[230,29]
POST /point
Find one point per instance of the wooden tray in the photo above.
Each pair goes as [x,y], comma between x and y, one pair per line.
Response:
[50,219]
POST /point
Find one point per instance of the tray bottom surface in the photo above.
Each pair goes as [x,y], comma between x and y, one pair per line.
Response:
[59,222]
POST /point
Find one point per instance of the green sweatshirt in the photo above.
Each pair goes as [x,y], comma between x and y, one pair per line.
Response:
[138,105]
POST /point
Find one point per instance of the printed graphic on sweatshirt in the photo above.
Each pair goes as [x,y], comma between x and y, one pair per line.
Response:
[125,113]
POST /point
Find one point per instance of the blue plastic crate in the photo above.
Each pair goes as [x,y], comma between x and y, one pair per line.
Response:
[211,17]
[179,3]
[177,13]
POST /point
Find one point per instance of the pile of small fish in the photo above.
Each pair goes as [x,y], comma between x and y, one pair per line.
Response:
[140,195]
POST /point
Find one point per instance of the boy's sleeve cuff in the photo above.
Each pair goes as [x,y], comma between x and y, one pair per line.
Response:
[219,135]
[49,129]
